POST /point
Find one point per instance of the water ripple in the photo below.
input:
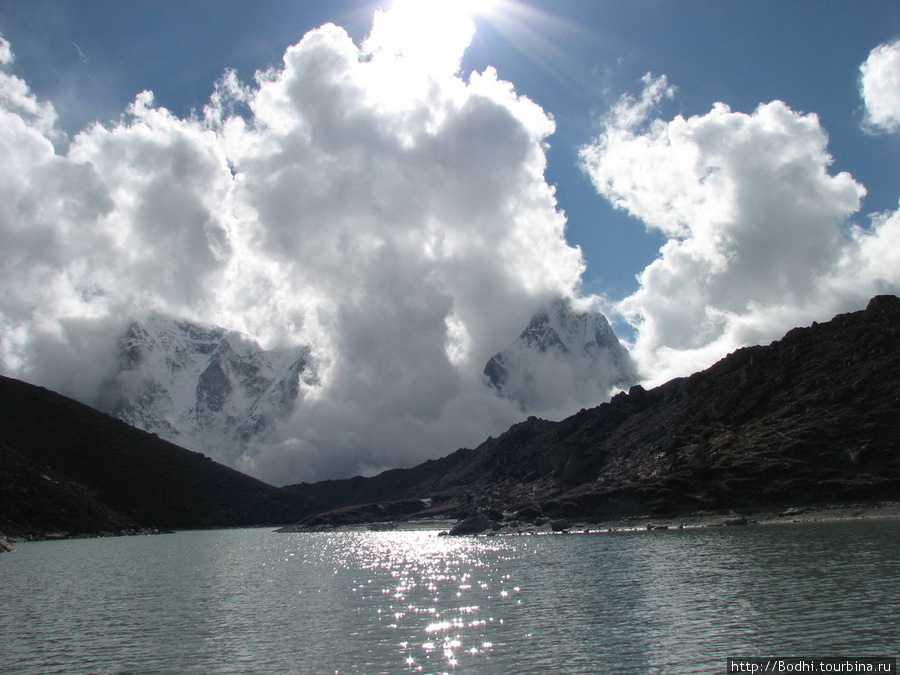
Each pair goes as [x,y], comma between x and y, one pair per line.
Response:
[252,601]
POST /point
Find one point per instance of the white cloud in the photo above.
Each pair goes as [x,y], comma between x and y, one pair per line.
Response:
[758,231]
[388,226]
[16,99]
[6,54]
[396,218]
[880,87]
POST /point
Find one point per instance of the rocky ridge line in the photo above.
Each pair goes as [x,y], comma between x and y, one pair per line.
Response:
[813,418]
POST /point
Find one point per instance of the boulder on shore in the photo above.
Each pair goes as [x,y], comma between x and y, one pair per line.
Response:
[737,520]
[473,525]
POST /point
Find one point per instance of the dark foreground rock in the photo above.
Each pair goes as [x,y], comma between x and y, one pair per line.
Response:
[813,418]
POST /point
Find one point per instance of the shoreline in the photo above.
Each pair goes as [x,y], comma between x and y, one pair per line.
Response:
[799,514]
[802,514]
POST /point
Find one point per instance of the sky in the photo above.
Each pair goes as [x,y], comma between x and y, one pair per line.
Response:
[402,185]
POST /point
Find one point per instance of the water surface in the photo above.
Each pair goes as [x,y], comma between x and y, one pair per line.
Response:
[255,601]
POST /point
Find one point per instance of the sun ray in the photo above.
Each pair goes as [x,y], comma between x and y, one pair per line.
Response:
[544,39]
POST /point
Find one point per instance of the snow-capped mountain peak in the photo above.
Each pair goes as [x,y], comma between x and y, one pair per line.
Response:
[563,359]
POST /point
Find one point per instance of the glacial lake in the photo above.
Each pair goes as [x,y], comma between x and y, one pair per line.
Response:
[255,601]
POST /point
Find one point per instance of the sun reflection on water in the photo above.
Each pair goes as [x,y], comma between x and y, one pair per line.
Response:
[428,591]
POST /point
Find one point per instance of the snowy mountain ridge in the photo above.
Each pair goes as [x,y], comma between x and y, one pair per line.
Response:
[219,392]
[563,358]
[207,389]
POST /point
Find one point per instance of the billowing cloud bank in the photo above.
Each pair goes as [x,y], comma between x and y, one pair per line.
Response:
[363,200]
[369,201]
[760,235]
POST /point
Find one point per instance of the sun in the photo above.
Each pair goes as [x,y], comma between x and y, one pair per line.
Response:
[430,34]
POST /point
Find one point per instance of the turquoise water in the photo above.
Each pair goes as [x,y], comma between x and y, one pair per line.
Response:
[255,601]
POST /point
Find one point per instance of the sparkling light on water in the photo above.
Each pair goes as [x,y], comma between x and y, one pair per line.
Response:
[430,591]
[254,601]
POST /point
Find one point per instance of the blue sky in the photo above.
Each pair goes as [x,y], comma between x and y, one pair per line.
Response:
[402,192]
[742,53]
[574,58]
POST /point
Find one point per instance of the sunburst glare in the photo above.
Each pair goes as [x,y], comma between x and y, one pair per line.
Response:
[428,34]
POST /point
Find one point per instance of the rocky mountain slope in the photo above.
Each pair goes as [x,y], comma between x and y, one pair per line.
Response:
[35,500]
[811,418]
[68,468]
[562,356]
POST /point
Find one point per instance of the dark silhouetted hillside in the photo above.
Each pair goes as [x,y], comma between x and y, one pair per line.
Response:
[34,499]
[61,459]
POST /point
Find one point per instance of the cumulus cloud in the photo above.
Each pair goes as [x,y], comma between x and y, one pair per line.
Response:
[879,85]
[393,214]
[394,217]
[759,232]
